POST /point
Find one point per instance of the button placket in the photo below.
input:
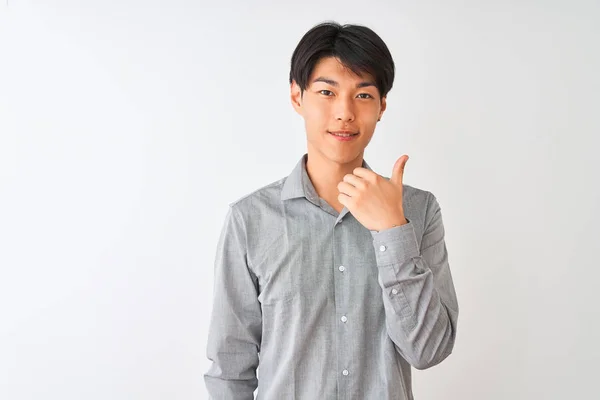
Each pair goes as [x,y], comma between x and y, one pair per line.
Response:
[341,299]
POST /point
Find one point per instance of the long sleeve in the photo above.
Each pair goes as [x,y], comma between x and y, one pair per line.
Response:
[236,322]
[419,298]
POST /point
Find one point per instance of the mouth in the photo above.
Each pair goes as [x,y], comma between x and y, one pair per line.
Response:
[344,135]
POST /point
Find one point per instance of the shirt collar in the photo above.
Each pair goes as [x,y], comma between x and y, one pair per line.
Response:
[298,184]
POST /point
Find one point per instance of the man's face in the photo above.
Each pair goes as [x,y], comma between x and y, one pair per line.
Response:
[338,100]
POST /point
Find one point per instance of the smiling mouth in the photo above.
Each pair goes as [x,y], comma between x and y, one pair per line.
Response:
[343,134]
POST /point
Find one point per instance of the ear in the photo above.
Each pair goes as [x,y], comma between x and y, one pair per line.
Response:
[383,106]
[296,97]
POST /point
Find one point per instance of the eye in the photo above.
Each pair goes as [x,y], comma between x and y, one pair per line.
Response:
[366,94]
[324,90]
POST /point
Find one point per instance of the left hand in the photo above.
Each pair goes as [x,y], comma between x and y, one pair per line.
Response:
[374,201]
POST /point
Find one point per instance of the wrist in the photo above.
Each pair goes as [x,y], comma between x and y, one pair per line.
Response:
[393,223]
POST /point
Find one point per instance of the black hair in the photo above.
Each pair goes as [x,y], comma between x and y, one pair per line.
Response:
[356,47]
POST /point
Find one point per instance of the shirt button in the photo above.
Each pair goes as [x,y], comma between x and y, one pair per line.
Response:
[344,318]
[345,372]
[382,248]
[340,221]
[342,268]
[394,291]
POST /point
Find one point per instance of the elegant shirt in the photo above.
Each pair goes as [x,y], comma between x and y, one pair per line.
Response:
[309,304]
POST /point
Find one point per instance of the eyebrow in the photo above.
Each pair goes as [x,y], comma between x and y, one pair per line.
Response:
[334,83]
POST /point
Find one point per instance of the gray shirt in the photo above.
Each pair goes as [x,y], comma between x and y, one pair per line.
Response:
[309,304]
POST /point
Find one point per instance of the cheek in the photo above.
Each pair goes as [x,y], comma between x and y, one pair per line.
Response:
[370,116]
[316,115]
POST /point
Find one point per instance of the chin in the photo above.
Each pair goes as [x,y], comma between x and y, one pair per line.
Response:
[344,157]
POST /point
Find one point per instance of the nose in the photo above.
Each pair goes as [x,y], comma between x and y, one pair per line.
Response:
[344,110]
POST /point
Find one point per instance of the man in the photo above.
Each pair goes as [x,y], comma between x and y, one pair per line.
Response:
[330,283]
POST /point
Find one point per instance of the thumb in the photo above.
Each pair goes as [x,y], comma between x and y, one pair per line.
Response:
[398,170]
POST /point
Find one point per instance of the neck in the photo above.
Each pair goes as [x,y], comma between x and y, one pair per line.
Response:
[326,174]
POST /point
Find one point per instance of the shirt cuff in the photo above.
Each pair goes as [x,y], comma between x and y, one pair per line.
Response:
[395,245]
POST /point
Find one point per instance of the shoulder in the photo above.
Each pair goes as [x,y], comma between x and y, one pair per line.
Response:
[420,205]
[416,198]
[259,200]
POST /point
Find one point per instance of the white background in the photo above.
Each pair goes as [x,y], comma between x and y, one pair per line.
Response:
[127,127]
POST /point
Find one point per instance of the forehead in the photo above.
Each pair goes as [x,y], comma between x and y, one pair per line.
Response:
[331,67]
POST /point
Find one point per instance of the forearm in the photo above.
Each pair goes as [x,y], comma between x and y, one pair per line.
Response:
[236,320]
[419,323]
[224,381]
[420,306]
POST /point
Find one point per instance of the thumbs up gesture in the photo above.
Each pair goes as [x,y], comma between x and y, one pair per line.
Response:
[373,200]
